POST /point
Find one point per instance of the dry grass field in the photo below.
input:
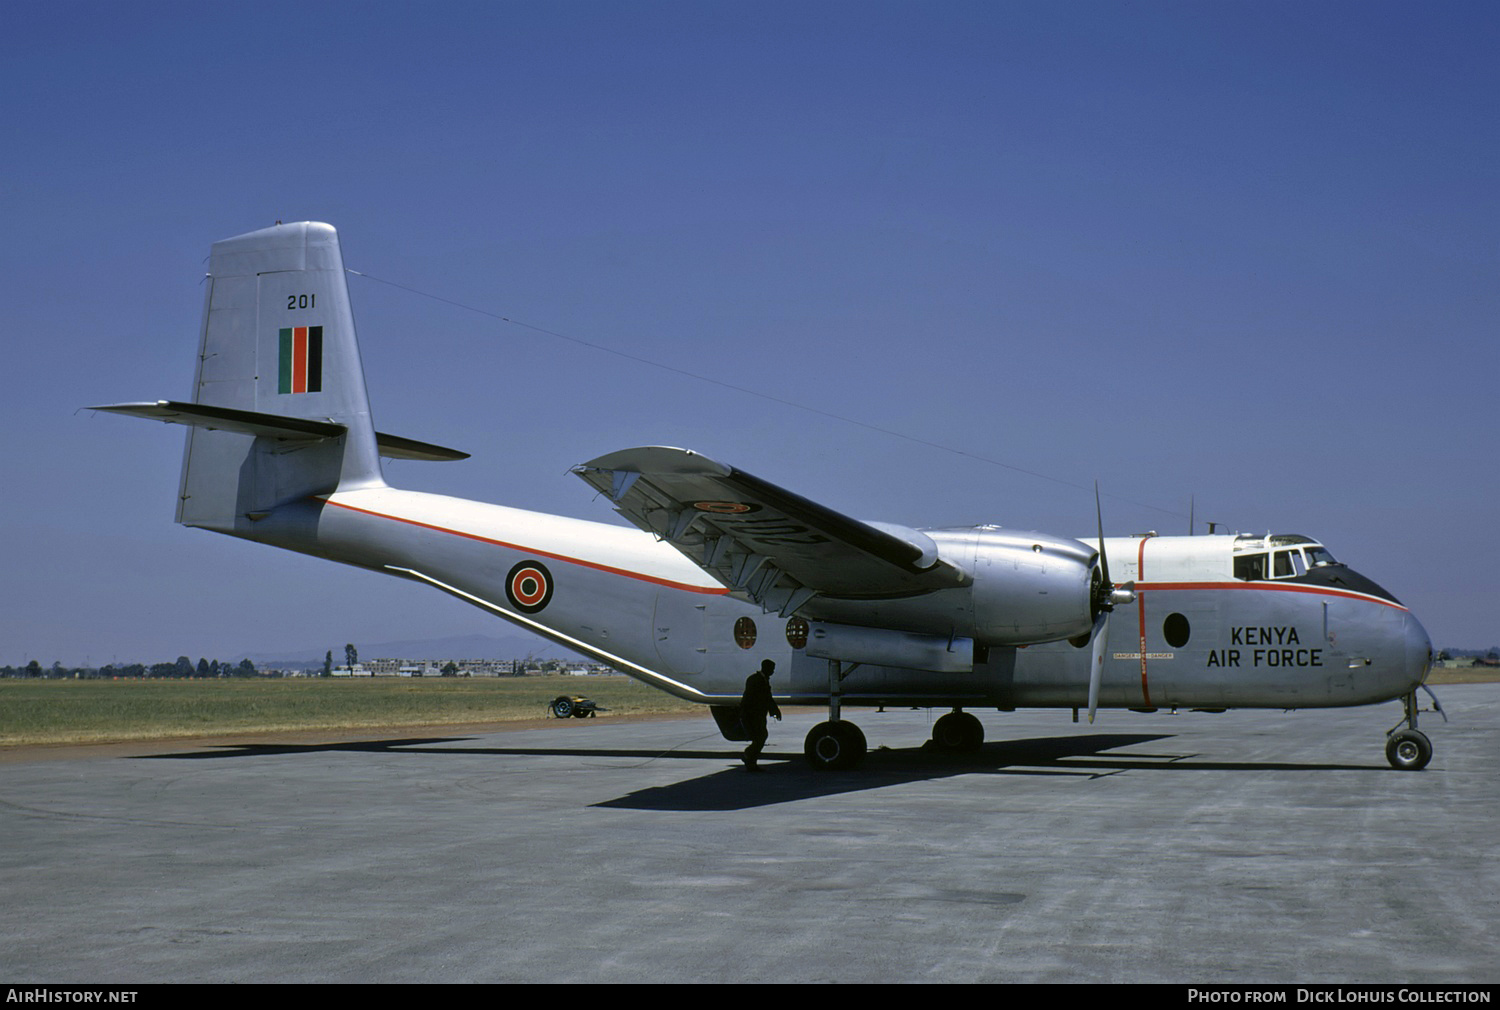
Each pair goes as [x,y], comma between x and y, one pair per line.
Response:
[99,711]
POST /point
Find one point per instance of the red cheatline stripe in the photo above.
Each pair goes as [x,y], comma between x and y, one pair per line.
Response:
[1270,587]
[707,590]
[1140,586]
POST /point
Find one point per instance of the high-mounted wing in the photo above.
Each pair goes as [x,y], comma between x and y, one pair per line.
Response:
[764,542]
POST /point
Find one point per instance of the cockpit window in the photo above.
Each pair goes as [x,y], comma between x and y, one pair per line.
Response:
[1250,566]
[1291,556]
[1287,564]
[1317,556]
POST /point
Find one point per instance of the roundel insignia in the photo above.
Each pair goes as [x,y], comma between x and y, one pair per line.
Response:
[726,508]
[529,586]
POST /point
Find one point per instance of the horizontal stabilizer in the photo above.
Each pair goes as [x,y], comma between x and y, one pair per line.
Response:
[396,447]
[278,426]
[246,422]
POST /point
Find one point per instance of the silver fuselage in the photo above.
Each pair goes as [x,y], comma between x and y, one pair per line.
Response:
[1194,636]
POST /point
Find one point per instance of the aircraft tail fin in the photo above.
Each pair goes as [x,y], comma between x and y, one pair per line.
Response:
[278,343]
[279,411]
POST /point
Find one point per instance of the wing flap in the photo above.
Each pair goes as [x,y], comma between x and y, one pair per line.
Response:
[764,542]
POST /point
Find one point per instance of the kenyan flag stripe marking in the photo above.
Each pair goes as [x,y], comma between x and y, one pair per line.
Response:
[315,359]
[300,359]
[284,359]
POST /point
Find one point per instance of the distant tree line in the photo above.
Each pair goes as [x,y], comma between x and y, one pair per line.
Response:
[208,668]
[183,667]
[1493,652]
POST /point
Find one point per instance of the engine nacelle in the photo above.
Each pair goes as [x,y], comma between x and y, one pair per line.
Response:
[1031,588]
[1024,589]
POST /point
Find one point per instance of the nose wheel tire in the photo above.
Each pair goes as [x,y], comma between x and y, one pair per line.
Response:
[1408,750]
[832,746]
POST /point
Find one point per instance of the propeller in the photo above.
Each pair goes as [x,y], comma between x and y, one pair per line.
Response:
[1105,597]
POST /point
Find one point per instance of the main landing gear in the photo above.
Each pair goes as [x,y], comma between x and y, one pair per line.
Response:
[835,745]
[838,744]
[1409,749]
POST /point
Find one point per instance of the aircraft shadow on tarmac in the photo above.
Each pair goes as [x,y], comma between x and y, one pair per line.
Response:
[1079,756]
[788,779]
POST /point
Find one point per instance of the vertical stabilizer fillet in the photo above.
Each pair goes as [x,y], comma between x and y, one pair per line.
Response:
[278,338]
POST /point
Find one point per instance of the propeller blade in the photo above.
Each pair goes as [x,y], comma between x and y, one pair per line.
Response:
[1103,560]
[1103,606]
[1096,662]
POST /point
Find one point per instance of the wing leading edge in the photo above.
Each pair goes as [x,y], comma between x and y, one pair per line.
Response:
[765,543]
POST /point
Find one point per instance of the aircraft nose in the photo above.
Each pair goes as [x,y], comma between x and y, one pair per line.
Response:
[1418,650]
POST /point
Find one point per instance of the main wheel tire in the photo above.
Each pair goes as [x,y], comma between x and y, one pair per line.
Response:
[947,733]
[1408,750]
[855,737]
[562,707]
[973,734]
[958,732]
[832,746]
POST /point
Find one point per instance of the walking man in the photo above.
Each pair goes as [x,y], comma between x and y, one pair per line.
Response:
[755,705]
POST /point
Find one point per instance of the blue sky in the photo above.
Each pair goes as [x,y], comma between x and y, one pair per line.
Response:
[1240,253]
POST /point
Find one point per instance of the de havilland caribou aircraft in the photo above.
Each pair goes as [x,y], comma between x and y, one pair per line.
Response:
[725,570]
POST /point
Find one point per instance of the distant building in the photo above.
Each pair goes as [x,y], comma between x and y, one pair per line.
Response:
[390,666]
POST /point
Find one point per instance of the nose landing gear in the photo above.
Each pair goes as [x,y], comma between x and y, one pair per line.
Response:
[1409,749]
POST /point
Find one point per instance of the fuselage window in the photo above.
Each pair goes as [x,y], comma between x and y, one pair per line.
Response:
[1176,630]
